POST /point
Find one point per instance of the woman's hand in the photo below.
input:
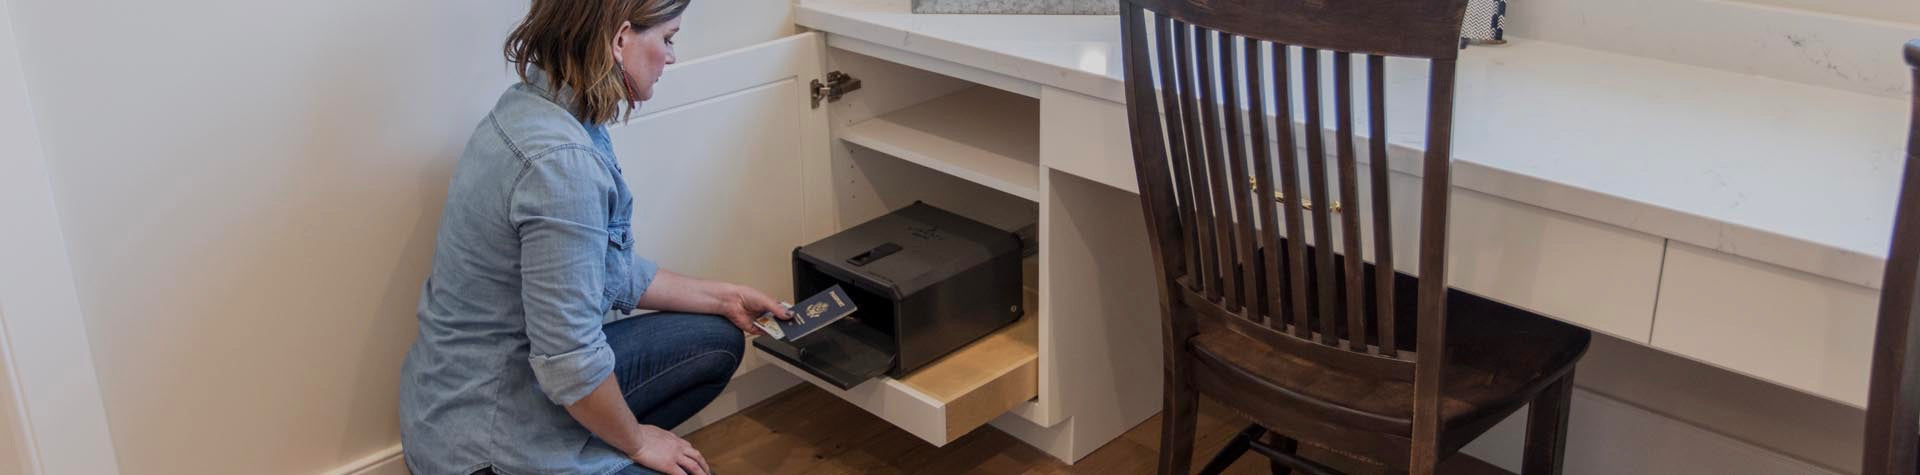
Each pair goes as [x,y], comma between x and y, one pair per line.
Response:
[741,305]
[663,452]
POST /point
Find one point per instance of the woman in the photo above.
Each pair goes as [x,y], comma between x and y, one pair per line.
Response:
[513,371]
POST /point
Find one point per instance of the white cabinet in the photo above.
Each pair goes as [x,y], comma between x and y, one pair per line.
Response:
[735,165]
[966,119]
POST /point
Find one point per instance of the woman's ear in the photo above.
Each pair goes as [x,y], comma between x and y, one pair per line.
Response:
[620,38]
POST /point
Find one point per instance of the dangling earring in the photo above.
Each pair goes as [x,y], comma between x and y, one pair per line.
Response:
[626,84]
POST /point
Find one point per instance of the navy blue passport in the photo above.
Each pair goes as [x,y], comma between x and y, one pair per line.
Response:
[809,315]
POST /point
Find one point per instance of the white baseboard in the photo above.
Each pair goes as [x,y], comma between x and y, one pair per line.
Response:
[385,462]
[748,388]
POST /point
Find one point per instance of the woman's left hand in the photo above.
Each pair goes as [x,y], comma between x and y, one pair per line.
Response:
[741,305]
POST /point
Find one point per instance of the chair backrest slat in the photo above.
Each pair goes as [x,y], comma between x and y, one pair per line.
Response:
[1382,202]
[1208,278]
[1275,290]
[1318,203]
[1172,100]
[1302,295]
[1244,232]
[1893,396]
[1210,118]
[1349,193]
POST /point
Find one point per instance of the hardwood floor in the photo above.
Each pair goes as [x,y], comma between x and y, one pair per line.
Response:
[807,431]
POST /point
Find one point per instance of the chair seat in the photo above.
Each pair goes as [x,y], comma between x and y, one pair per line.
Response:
[1499,358]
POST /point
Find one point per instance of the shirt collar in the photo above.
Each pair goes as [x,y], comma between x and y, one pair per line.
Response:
[538,81]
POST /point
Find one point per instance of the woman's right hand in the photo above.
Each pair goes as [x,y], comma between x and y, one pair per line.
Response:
[663,452]
[742,305]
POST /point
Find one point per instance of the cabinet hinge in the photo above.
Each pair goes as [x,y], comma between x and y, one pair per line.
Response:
[838,84]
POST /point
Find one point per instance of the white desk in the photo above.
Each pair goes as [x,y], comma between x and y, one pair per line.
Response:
[1779,172]
[1767,203]
[1734,220]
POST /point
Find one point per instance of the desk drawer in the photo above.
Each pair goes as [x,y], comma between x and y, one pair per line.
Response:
[1583,272]
[1575,270]
[1788,327]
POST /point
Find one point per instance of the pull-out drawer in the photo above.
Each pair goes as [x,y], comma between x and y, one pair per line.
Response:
[955,394]
[1785,326]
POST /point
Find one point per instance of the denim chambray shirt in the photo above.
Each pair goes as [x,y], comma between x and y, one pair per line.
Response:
[535,247]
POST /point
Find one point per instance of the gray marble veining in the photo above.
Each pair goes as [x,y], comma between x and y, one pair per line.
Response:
[1024,7]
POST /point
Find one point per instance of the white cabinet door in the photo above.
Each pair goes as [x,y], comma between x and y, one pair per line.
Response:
[715,162]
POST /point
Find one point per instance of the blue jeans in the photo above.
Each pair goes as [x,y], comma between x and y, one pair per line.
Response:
[671,365]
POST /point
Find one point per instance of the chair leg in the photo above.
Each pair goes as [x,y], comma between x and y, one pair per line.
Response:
[1547,429]
[1285,444]
[1234,449]
[1179,414]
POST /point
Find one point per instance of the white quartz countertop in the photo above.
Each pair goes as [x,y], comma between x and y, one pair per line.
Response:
[1790,174]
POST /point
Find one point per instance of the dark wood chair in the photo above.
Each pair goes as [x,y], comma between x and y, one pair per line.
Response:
[1314,347]
[1893,398]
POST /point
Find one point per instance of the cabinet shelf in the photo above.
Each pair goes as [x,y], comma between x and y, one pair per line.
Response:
[979,134]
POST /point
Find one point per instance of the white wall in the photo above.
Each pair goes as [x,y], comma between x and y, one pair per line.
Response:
[715,26]
[53,403]
[250,191]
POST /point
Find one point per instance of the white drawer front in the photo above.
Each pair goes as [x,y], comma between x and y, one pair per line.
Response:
[1792,328]
[1576,270]
[1583,272]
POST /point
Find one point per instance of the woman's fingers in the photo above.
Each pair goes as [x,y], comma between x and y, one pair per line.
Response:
[744,321]
[759,303]
[691,466]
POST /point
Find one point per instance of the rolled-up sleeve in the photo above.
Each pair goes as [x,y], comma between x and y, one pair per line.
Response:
[559,206]
[643,271]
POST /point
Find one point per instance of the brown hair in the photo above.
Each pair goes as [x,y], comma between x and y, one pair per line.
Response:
[569,40]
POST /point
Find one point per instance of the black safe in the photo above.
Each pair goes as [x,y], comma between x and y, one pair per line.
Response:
[926,281]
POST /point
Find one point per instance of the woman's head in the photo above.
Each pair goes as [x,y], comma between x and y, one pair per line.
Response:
[606,53]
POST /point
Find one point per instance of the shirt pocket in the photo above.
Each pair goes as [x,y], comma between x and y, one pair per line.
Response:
[619,281]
